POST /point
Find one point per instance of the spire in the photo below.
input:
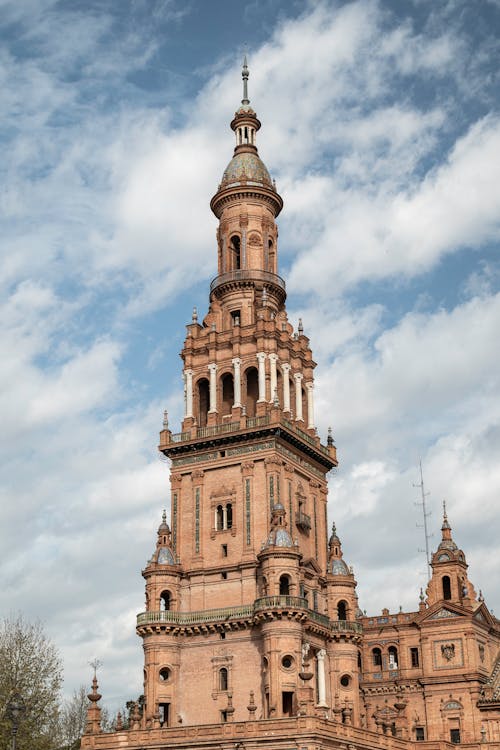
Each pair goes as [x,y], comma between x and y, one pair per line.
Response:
[446,524]
[244,75]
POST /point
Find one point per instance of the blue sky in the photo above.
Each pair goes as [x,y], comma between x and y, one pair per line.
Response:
[381,125]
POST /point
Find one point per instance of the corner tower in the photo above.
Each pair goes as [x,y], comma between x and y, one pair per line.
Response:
[237,610]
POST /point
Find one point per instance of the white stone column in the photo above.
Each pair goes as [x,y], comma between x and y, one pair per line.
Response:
[286,386]
[273,358]
[310,405]
[237,381]
[298,395]
[188,402]
[224,517]
[261,356]
[213,387]
[320,660]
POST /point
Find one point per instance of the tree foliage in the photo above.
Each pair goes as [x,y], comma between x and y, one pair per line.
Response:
[31,667]
[72,719]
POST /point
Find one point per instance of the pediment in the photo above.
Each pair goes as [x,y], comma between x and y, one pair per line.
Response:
[439,611]
[312,565]
[484,616]
[443,613]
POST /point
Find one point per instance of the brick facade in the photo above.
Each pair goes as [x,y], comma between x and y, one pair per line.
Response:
[252,633]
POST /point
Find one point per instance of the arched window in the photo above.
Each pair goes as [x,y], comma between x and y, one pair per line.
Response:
[393,657]
[342,610]
[227,393]
[304,406]
[271,257]
[165,601]
[223,679]
[229,516]
[252,383]
[235,259]
[284,586]
[203,401]
[377,657]
[360,662]
[446,587]
[219,518]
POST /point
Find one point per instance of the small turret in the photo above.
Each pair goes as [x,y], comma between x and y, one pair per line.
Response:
[449,580]
[342,599]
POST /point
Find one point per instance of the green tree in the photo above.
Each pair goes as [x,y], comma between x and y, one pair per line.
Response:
[30,666]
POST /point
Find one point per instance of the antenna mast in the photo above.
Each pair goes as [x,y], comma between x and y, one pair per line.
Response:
[425,514]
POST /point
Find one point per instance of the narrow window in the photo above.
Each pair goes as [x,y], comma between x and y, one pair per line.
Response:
[342,611]
[287,703]
[235,317]
[223,575]
[419,734]
[377,657]
[223,678]
[227,393]
[224,550]
[284,586]
[164,711]
[252,384]
[223,717]
[165,601]
[446,587]
[203,401]
[393,657]
[455,736]
[229,516]
[235,253]
[414,657]
[219,518]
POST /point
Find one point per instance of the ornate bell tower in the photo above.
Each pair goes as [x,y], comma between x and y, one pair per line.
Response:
[240,617]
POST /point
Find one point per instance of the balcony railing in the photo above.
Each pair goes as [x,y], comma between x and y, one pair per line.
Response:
[303,521]
[251,423]
[247,275]
[280,602]
[225,614]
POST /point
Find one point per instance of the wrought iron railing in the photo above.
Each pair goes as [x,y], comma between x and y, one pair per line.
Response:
[247,275]
[302,520]
[282,601]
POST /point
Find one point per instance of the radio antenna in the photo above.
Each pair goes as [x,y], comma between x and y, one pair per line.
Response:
[425,513]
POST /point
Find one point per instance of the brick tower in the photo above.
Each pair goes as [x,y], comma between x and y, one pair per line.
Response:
[243,613]
[251,632]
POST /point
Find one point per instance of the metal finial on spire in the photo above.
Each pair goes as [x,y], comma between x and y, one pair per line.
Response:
[164,516]
[301,327]
[244,75]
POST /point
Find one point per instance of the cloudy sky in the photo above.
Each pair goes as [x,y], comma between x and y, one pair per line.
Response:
[381,125]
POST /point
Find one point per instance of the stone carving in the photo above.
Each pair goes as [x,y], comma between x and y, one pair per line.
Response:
[448,651]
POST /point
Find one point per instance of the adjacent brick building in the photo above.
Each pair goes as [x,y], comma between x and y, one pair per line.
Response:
[252,633]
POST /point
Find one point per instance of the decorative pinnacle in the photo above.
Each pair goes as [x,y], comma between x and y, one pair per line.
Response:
[244,75]
[301,327]
[165,420]
[422,597]
[164,516]
[329,440]
[194,317]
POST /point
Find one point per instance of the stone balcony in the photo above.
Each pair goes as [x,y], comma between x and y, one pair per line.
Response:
[263,609]
[172,442]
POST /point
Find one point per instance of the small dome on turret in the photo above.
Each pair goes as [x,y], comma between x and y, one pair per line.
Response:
[278,536]
[336,566]
[246,166]
[163,554]
[339,568]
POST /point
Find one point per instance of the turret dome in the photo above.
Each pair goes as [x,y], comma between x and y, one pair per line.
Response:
[246,166]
